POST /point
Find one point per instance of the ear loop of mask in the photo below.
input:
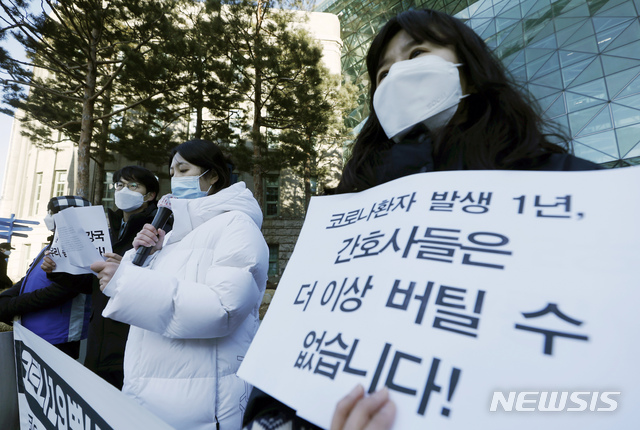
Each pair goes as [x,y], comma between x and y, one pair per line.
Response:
[204,173]
[464,95]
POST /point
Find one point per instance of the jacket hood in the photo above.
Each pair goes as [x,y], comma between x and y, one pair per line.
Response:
[189,214]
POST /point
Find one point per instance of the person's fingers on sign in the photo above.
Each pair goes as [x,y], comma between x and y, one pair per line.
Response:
[356,412]
[48,265]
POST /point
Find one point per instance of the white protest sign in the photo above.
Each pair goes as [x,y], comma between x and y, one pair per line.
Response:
[81,237]
[56,392]
[464,292]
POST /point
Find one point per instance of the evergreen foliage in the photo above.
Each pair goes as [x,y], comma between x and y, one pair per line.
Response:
[83,57]
[136,77]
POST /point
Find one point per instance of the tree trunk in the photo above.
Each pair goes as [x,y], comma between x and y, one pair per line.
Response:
[101,155]
[257,145]
[98,186]
[199,103]
[307,176]
[86,126]
[256,133]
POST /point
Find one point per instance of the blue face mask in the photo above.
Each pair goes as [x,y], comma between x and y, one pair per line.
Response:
[187,187]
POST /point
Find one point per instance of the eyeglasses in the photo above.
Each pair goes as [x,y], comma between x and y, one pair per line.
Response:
[133,186]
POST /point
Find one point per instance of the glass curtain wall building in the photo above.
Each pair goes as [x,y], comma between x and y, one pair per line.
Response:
[580,59]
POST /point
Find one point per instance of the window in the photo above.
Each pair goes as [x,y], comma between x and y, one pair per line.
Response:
[25,258]
[60,186]
[272,193]
[108,193]
[37,193]
[273,260]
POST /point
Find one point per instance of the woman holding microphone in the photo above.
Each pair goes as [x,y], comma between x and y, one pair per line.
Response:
[193,304]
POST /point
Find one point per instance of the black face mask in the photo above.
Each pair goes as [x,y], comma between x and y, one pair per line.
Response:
[413,154]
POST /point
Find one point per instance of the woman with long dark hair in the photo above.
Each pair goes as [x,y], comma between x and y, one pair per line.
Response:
[440,100]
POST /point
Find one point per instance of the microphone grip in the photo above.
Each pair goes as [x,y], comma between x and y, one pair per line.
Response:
[141,254]
[159,221]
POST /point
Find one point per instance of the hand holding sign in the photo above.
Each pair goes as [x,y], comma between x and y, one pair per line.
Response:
[356,412]
[48,265]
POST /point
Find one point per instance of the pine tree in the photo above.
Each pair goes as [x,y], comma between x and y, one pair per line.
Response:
[137,77]
[314,134]
[269,53]
[77,53]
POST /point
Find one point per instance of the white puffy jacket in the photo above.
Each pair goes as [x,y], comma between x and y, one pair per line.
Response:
[193,308]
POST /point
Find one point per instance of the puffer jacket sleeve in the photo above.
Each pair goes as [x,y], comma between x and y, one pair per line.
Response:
[162,303]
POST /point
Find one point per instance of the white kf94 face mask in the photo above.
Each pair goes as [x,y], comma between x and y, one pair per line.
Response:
[425,89]
[49,222]
[128,200]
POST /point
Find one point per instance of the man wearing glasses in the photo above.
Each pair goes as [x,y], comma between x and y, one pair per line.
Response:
[136,191]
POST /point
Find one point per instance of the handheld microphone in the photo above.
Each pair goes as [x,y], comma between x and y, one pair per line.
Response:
[162,215]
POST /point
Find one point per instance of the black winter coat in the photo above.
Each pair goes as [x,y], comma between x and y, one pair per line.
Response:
[107,337]
[5,281]
[414,155]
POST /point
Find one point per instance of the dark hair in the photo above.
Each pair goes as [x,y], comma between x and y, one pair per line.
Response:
[208,156]
[496,127]
[141,175]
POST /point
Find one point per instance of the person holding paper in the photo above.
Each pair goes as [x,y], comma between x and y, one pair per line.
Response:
[136,191]
[55,306]
[440,100]
[193,304]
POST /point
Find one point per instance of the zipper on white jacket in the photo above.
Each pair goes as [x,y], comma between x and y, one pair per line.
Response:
[217,422]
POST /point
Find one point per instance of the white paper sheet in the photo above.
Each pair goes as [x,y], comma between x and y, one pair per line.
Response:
[80,239]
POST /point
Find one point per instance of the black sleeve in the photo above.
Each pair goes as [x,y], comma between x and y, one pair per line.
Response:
[75,283]
[561,162]
[5,299]
[12,303]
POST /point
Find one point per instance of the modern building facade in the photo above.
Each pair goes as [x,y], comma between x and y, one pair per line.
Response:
[580,59]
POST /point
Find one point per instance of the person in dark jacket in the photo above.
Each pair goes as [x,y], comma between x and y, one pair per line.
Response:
[439,100]
[5,250]
[55,306]
[136,191]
